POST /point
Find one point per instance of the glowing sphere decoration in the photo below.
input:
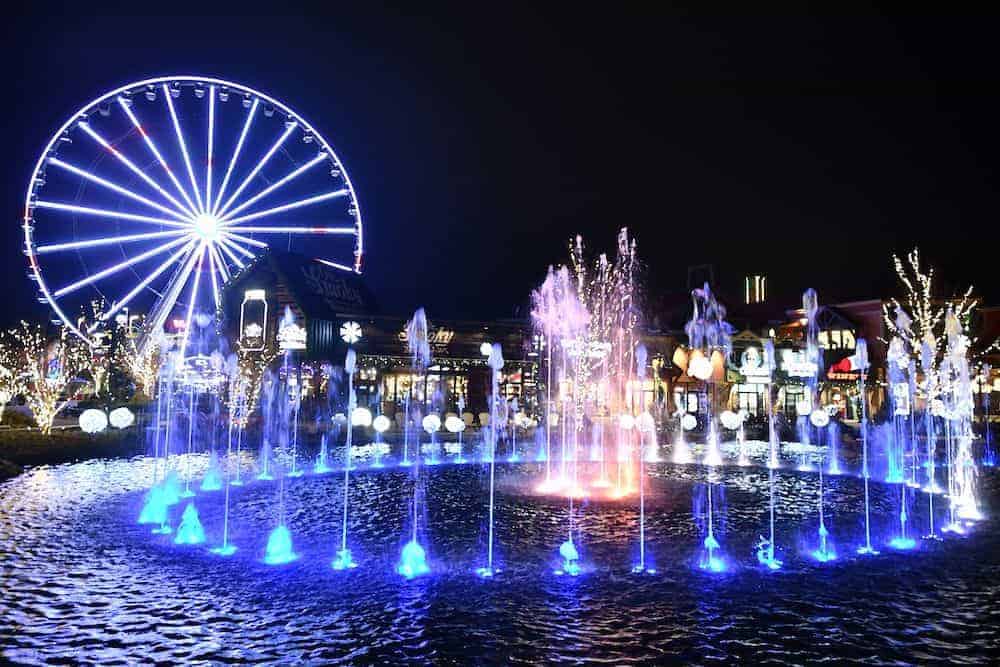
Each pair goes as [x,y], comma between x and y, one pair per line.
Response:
[700,368]
[689,422]
[121,417]
[381,423]
[645,422]
[161,190]
[361,417]
[93,421]
[730,420]
[626,422]
[454,424]
[819,418]
[486,349]
[431,423]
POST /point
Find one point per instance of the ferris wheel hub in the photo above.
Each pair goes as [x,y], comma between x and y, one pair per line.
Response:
[207,226]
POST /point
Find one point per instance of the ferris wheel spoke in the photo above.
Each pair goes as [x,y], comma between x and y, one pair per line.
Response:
[277,184]
[233,243]
[179,256]
[136,170]
[114,188]
[212,268]
[183,145]
[260,165]
[111,270]
[287,207]
[208,163]
[127,108]
[298,230]
[245,239]
[108,240]
[220,262]
[104,213]
[193,299]
[335,265]
[236,155]
[229,253]
[169,299]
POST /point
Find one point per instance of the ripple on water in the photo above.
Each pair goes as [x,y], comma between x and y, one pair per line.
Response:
[82,581]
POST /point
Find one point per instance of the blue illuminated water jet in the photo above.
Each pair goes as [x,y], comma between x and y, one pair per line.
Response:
[344,560]
[279,547]
[765,554]
[902,543]
[570,559]
[709,560]
[190,530]
[154,509]
[412,560]
[321,460]
[212,481]
[825,553]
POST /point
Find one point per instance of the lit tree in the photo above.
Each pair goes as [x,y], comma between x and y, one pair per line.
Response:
[50,370]
[925,310]
[245,383]
[10,380]
[142,359]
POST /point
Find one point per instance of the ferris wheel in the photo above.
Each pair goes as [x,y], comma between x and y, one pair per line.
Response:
[159,192]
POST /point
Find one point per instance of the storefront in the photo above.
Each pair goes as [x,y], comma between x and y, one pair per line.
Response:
[290,303]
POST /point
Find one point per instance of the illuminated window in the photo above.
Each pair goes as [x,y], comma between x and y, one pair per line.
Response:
[848,339]
[755,288]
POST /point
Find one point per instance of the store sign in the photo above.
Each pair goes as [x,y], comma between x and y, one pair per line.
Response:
[335,290]
[752,367]
[795,364]
[291,336]
[439,338]
[253,320]
[848,377]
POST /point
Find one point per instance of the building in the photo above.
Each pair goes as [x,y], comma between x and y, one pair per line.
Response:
[316,312]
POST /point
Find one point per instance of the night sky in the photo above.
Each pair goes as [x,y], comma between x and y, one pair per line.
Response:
[480,139]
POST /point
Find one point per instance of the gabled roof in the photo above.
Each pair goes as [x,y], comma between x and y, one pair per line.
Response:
[320,291]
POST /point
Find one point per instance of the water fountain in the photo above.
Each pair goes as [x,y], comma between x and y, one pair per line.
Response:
[413,557]
[344,559]
[708,333]
[860,363]
[495,362]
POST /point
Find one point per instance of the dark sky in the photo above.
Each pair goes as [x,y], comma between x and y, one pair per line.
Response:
[480,138]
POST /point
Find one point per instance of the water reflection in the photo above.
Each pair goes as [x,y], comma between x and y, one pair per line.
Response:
[83,581]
